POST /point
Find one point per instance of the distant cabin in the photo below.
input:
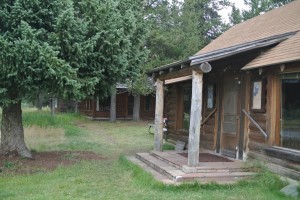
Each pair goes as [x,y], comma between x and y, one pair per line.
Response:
[98,108]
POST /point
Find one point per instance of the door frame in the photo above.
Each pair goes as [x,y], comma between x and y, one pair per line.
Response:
[239,123]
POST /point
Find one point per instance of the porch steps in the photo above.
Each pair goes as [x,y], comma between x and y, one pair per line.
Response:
[160,166]
[178,175]
[158,176]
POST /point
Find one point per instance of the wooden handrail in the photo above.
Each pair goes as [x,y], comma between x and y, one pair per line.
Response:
[207,118]
[256,124]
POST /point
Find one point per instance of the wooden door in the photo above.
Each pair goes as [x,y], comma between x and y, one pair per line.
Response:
[230,116]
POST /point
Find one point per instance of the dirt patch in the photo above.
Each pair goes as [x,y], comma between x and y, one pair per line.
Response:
[207,157]
[44,161]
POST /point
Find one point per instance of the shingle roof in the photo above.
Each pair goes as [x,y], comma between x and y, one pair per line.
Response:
[286,51]
[275,22]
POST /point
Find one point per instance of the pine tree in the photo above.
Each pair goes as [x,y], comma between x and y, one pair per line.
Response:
[65,48]
[235,16]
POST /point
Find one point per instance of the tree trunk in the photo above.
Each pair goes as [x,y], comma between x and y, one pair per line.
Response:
[12,133]
[113,107]
[52,108]
[76,107]
[39,102]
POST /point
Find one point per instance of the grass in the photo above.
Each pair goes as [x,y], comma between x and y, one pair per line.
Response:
[114,177]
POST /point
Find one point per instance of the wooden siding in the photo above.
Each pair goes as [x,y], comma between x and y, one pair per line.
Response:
[66,105]
[144,113]
[88,107]
[173,110]
[85,107]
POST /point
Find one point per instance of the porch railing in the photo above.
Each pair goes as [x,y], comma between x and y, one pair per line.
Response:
[207,118]
[256,124]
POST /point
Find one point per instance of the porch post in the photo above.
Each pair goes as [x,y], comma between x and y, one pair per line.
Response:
[136,107]
[113,110]
[159,109]
[195,120]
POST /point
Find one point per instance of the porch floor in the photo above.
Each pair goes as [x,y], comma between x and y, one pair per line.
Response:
[171,167]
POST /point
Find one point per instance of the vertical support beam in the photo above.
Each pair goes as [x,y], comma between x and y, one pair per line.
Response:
[220,102]
[93,107]
[113,110]
[159,110]
[273,108]
[195,120]
[136,107]
[244,93]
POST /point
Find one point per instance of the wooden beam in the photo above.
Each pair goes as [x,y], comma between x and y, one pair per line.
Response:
[195,120]
[179,73]
[176,74]
[159,109]
[273,107]
[243,92]
[220,103]
[208,117]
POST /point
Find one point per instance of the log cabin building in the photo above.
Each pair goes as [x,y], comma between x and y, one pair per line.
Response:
[121,105]
[238,96]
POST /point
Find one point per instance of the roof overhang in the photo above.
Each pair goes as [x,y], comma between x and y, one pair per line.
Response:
[223,53]
[197,62]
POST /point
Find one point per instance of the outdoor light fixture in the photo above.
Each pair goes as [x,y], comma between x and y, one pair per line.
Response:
[282,67]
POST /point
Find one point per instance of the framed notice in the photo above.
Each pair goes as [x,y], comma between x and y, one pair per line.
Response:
[257,103]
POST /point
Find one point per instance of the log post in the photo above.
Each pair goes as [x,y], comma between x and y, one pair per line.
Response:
[113,110]
[136,107]
[195,120]
[159,109]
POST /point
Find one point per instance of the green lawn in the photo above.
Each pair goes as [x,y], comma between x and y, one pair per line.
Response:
[113,177]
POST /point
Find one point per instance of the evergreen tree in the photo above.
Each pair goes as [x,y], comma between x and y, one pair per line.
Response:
[235,16]
[180,29]
[256,7]
[65,48]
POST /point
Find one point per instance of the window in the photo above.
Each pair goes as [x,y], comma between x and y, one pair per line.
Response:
[187,98]
[147,103]
[103,105]
[290,113]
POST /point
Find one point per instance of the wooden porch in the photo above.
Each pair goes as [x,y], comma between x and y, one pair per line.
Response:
[171,167]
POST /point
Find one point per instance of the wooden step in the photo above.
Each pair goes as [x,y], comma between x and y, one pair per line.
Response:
[158,176]
[156,155]
[160,166]
[226,177]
